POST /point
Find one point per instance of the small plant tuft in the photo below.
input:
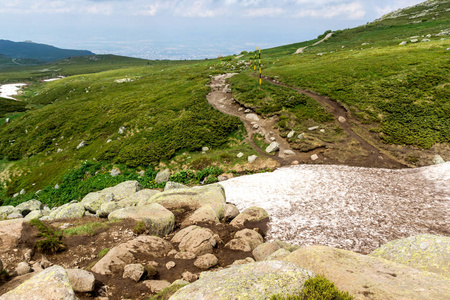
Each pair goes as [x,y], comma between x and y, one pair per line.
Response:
[140,228]
[52,239]
[103,252]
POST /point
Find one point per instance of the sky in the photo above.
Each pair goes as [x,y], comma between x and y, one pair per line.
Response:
[182,29]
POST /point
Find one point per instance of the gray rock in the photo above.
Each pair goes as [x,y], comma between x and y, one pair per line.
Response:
[122,130]
[250,281]
[250,215]
[158,220]
[206,261]
[198,241]
[301,136]
[133,271]
[314,157]
[255,126]
[341,119]
[204,214]
[7,120]
[403,43]
[264,250]
[114,172]
[28,206]
[45,263]
[288,152]
[290,135]
[273,147]
[156,286]
[239,155]
[425,40]
[205,149]
[245,240]
[74,210]
[247,260]
[53,279]
[22,192]
[7,210]
[252,117]
[93,201]
[22,269]
[124,189]
[162,176]
[28,254]
[313,128]
[231,212]
[14,215]
[280,254]
[107,208]
[182,233]
[185,255]
[189,277]
[170,185]
[81,145]
[222,178]
[414,40]
[252,158]
[82,281]
[425,252]
[120,256]
[170,265]
[437,159]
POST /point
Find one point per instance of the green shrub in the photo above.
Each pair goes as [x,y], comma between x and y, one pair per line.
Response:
[51,242]
[317,288]
[140,228]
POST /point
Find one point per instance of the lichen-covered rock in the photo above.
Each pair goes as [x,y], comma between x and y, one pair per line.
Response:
[74,210]
[93,201]
[192,198]
[375,277]
[26,207]
[257,280]
[124,190]
[82,281]
[7,210]
[264,250]
[250,215]
[35,214]
[162,176]
[141,195]
[14,215]
[170,185]
[50,284]
[204,214]
[425,252]
[123,254]
[107,208]
[198,241]
[158,220]
[280,254]
[10,233]
[133,271]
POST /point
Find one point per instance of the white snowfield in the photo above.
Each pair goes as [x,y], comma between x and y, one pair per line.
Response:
[350,208]
[10,90]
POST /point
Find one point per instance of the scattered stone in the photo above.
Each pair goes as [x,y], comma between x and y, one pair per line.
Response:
[198,241]
[156,286]
[170,265]
[247,260]
[22,269]
[245,240]
[273,147]
[250,215]
[115,172]
[437,159]
[22,192]
[322,130]
[288,152]
[273,139]
[53,279]
[185,255]
[122,130]
[247,111]
[291,134]
[182,233]
[425,252]
[133,271]
[252,158]
[314,157]
[206,261]
[255,126]
[313,128]
[222,177]
[28,254]
[264,250]
[36,267]
[425,40]
[189,277]
[414,40]
[14,215]
[231,212]
[7,120]
[295,162]
[257,280]
[252,117]
[205,149]
[81,145]
[342,119]
[349,271]
[158,220]
[82,281]
[239,155]
[403,43]
[162,176]
[170,185]
[45,263]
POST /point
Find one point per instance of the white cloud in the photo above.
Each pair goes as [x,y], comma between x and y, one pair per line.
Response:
[265,12]
[352,11]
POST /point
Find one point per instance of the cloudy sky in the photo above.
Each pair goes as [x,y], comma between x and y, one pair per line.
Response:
[182,28]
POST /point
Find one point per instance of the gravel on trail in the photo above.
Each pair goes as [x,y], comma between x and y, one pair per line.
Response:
[352,208]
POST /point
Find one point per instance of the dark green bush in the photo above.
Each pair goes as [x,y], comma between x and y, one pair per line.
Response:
[52,239]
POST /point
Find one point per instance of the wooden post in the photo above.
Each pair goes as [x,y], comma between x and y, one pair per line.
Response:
[259,66]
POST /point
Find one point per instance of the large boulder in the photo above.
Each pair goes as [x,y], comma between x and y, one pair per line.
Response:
[264,250]
[204,214]
[51,284]
[143,195]
[35,214]
[424,252]
[10,233]
[192,198]
[199,241]
[124,189]
[7,210]
[252,217]
[74,210]
[26,207]
[93,201]
[245,240]
[158,220]
[82,281]
[368,277]
[118,257]
[257,280]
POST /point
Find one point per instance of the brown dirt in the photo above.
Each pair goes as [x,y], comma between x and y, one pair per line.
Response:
[82,252]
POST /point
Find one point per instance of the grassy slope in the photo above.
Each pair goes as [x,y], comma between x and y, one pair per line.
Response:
[402,91]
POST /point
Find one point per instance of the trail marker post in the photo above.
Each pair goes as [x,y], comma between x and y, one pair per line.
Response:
[259,66]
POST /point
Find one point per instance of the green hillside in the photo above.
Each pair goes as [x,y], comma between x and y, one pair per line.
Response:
[147,115]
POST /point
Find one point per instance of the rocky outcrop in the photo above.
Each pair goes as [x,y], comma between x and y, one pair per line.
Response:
[74,210]
[31,205]
[124,189]
[257,280]
[93,201]
[424,252]
[51,284]
[10,233]
[368,277]
[158,220]
[7,210]
[198,240]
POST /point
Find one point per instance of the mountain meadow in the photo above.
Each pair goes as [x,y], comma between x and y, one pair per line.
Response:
[63,137]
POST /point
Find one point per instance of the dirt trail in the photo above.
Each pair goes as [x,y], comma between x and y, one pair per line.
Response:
[300,50]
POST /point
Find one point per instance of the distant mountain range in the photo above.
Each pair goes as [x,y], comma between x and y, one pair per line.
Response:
[35,51]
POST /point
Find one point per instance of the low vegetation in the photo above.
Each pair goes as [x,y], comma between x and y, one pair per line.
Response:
[85,229]
[51,241]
